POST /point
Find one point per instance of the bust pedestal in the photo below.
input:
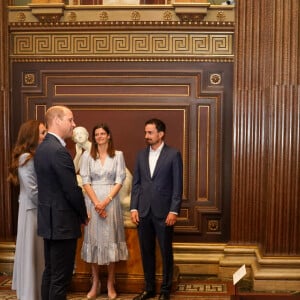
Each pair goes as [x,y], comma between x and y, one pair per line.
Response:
[129,274]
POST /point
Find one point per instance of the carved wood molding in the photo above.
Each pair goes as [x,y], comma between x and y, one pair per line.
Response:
[47,12]
[191,12]
[119,44]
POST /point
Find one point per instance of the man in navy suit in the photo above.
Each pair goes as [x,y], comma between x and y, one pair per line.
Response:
[155,203]
[61,206]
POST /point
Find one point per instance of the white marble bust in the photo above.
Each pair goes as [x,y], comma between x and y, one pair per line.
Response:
[82,143]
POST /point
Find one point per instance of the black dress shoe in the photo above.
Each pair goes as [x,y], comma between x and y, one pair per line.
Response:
[144,295]
[164,296]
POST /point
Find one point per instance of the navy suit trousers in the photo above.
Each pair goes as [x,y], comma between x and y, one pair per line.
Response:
[151,228]
[59,266]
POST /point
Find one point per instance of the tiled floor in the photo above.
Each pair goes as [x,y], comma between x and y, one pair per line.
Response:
[187,290]
[11,296]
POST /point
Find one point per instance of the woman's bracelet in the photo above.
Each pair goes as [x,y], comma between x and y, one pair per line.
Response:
[110,197]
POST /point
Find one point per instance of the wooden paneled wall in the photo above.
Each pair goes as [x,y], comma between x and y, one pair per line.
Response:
[265,183]
[194,100]
[266,153]
[258,140]
[124,67]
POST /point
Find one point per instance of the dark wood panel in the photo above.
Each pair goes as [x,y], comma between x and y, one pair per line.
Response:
[127,125]
[197,113]
[203,152]
[134,90]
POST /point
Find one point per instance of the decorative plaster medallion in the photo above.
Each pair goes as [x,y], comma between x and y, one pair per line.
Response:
[221,15]
[21,17]
[29,79]
[167,15]
[213,225]
[215,79]
[103,16]
[135,16]
[72,16]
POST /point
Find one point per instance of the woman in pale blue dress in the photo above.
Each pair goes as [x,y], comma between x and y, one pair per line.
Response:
[29,254]
[103,171]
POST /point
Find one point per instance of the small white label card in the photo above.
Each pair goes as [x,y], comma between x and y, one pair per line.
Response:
[239,274]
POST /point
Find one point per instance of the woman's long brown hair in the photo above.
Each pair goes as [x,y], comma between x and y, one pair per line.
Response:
[27,141]
[94,149]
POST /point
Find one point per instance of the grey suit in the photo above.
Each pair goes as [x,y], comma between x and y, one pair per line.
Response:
[154,197]
[61,211]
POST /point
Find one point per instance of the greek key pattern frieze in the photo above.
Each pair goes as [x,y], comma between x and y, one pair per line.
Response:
[123,44]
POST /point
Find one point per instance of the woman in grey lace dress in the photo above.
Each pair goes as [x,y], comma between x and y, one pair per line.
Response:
[103,172]
[29,254]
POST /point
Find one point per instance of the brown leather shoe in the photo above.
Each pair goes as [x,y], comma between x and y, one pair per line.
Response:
[144,295]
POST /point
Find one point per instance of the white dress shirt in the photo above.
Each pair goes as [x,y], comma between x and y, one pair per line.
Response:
[153,157]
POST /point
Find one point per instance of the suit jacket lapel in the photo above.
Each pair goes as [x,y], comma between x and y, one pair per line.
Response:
[160,160]
[147,162]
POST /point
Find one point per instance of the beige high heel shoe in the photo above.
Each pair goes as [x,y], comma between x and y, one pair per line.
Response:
[112,297]
[90,296]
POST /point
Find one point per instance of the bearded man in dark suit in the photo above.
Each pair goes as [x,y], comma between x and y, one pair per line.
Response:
[155,203]
[61,206]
